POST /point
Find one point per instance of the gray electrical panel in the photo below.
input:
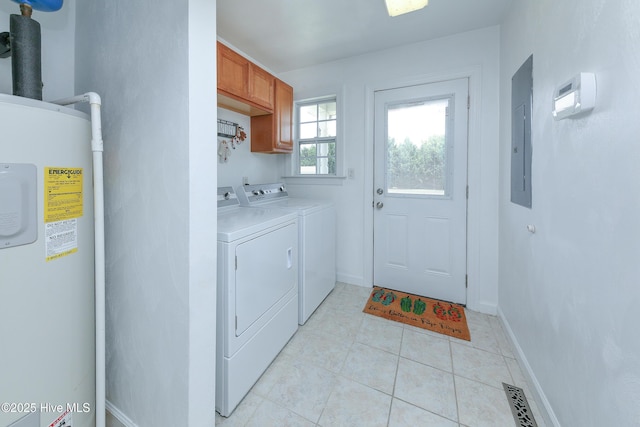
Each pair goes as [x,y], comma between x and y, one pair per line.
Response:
[521,104]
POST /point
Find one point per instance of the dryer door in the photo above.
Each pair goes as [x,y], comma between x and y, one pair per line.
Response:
[266,270]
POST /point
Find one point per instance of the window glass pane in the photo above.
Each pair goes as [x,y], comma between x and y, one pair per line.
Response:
[323,149]
[323,165]
[307,158]
[308,170]
[308,130]
[326,158]
[308,113]
[327,129]
[416,148]
[332,158]
[327,110]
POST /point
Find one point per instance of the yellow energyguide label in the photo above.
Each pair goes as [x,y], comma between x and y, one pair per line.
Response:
[63,198]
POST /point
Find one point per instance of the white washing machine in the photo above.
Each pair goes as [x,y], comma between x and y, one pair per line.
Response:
[316,240]
[257,308]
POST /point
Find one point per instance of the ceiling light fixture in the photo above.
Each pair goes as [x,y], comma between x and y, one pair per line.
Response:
[399,7]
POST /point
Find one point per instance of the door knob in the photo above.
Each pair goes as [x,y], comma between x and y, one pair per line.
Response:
[379,205]
[380,191]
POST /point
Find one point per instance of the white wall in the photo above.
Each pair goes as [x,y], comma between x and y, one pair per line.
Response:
[257,167]
[474,54]
[202,255]
[569,293]
[153,66]
[57,49]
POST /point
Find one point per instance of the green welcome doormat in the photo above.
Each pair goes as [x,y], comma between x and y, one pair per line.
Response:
[438,316]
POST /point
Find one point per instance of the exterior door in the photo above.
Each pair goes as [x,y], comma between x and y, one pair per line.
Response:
[420,189]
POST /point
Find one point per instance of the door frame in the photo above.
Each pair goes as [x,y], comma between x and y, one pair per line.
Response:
[474,74]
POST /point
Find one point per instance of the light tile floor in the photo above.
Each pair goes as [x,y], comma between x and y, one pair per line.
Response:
[347,368]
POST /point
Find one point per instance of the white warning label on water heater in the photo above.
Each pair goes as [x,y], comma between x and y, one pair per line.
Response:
[61,238]
[63,420]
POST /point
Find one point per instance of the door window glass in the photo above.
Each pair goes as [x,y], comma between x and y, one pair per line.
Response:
[417,160]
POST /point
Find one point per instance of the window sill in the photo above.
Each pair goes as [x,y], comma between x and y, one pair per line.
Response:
[315,179]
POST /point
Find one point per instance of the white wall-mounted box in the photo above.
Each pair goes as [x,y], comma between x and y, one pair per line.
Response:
[575,97]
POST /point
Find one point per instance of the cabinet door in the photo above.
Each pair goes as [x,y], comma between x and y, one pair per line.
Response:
[283,117]
[233,72]
[261,85]
[272,133]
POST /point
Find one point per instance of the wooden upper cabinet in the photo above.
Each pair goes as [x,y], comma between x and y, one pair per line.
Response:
[233,72]
[273,133]
[283,113]
[245,87]
[261,86]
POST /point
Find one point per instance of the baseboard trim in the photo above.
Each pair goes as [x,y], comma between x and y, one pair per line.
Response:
[546,409]
[119,415]
[482,307]
[350,279]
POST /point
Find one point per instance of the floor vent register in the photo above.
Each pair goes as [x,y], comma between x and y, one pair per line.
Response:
[519,406]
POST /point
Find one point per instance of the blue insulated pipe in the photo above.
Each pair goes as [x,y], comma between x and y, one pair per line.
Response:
[42,5]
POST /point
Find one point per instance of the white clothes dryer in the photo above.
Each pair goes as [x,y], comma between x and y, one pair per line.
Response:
[316,240]
[257,294]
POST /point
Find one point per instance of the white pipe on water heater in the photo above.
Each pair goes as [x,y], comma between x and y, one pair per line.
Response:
[98,205]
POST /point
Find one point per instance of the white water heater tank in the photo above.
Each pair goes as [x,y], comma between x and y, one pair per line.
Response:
[47,338]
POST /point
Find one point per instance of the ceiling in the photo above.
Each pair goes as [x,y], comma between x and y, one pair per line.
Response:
[284,35]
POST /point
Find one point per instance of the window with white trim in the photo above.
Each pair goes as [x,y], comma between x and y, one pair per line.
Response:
[316,137]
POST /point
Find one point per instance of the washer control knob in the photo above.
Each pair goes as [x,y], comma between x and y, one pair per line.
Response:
[227,195]
[256,192]
[281,188]
[261,191]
